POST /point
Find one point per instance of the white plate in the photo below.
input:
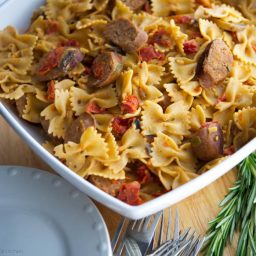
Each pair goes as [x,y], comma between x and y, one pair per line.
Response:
[42,214]
[20,13]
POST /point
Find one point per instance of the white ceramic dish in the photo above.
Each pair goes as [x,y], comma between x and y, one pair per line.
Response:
[42,214]
[18,13]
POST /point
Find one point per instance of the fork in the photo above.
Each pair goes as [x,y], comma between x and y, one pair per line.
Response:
[181,244]
[138,235]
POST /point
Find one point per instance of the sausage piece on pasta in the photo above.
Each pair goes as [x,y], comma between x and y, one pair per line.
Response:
[134,4]
[78,126]
[207,142]
[214,64]
[111,187]
[58,62]
[123,33]
[106,68]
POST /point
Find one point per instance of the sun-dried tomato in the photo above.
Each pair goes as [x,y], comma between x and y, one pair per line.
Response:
[51,91]
[52,26]
[87,71]
[98,69]
[120,126]
[229,151]
[183,19]
[94,108]
[144,175]
[223,97]
[147,7]
[194,34]
[149,53]
[130,193]
[130,104]
[160,37]
[70,43]
[254,47]
[234,36]
[190,46]
[51,61]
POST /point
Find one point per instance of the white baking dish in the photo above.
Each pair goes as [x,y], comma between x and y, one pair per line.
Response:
[18,13]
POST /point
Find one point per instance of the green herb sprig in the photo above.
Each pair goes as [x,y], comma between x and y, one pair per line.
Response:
[238,213]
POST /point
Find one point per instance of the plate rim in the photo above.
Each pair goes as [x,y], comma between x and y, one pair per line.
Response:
[66,183]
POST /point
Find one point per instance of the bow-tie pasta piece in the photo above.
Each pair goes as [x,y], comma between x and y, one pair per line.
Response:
[75,155]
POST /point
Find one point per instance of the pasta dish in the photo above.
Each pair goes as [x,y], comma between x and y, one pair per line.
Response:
[136,96]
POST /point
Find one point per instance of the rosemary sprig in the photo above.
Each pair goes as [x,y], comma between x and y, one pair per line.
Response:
[238,213]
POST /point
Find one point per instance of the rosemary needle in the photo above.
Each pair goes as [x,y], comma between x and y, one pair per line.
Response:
[238,213]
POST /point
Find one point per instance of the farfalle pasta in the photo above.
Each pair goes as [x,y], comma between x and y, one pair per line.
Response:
[137,97]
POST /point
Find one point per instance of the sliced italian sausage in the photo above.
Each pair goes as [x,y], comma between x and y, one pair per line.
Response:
[21,105]
[111,187]
[125,34]
[106,68]
[58,62]
[207,143]
[45,124]
[214,64]
[78,126]
[134,4]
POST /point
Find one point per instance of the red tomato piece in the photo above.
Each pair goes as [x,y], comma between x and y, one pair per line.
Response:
[120,126]
[52,26]
[183,19]
[160,37]
[130,104]
[129,193]
[222,98]
[98,69]
[149,53]
[194,34]
[234,37]
[93,108]
[71,43]
[190,46]
[229,151]
[51,61]
[254,47]
[87,71]
[144,174]
[51,91]
[147,7]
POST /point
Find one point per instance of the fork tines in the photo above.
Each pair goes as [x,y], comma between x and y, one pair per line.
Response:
[179,244]
[141,236]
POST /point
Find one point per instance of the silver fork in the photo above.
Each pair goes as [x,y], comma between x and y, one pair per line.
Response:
[138,235]
[181,244]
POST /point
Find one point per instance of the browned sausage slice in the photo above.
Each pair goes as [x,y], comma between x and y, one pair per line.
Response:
[207,142]
[21,104]
[134,4]
[45,124]
[58,62]
[214,64]
[106,68]
[78,126]
[125,34]
[111,187]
